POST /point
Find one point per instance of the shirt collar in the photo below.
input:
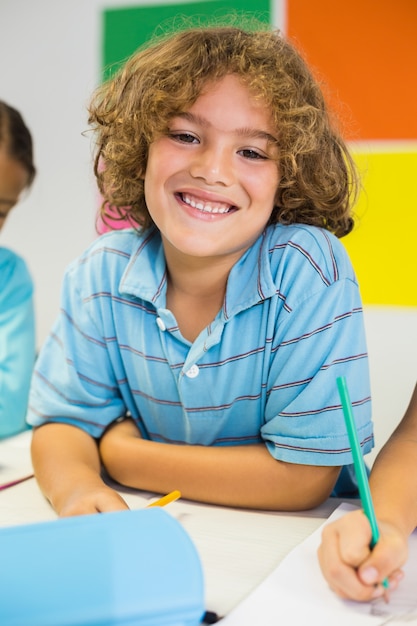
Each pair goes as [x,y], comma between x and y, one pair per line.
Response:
[250,280]
[145,274]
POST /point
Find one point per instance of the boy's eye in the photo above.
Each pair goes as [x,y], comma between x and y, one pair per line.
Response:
[252,154]
[183,137]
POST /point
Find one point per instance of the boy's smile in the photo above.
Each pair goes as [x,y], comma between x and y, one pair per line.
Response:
[206,207]
[211,180]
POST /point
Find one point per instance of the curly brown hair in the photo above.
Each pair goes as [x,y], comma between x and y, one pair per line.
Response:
[318,180]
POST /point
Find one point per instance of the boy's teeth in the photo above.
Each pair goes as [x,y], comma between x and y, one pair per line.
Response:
[207,207]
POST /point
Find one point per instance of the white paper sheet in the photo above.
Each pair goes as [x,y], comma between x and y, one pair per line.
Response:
[296,593]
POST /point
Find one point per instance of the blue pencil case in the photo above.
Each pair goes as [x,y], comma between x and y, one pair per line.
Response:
[123,568]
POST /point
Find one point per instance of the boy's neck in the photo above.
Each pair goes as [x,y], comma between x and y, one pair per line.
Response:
[198,277]
[195,290]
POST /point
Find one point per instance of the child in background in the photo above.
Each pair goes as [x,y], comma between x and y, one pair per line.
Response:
[349,566]
[199,351]
[17,327]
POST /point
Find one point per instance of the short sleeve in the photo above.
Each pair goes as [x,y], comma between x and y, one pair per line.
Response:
[320,337]
[74,381]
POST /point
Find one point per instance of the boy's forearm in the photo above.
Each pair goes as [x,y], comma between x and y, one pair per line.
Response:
[241,476]
[64,458]
[394,477]
[394,485]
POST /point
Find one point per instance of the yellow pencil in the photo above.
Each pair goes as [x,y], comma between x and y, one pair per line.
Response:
[170,497]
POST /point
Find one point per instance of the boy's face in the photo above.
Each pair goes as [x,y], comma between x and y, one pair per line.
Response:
[211,180]
[13,179]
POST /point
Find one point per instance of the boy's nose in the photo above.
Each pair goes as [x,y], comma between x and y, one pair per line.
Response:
[214,166]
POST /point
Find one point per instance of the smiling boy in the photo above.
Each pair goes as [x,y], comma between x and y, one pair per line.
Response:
[199,351]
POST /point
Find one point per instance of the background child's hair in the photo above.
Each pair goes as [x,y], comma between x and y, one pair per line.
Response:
[16,139]
[318,180]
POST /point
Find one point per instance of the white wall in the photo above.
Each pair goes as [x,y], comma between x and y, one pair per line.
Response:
[49,51]
[392,346]
[49,68]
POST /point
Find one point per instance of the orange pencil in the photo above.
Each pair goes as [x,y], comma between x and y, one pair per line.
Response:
[170,497]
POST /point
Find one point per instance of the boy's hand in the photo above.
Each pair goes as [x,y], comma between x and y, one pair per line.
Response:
[67,466]
[351,569]
[85,501]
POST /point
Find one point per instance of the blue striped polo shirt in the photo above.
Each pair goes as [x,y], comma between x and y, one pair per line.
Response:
[264,370]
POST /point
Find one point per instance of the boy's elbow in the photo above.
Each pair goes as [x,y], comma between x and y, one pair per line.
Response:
[308,488]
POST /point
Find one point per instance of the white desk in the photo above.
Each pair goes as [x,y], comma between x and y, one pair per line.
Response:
[238,548]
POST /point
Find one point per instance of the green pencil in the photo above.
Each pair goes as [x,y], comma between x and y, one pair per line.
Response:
[359,463]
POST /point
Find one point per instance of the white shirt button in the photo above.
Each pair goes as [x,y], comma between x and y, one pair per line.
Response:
[193,372]
[160,324]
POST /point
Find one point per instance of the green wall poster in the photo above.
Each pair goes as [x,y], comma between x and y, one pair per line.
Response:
[125,29]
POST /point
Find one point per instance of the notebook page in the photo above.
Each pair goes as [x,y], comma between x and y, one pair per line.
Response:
[296,592]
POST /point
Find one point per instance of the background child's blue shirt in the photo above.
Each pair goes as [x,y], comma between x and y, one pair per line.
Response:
[264,370]
[17,341]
